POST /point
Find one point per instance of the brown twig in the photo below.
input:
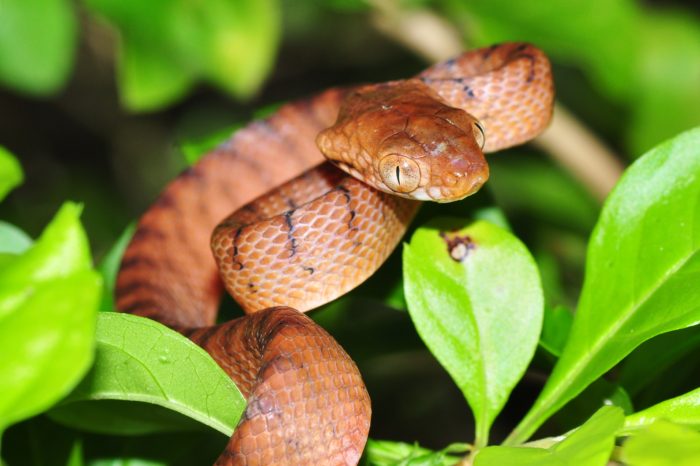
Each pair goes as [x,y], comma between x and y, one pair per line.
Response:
[568,141]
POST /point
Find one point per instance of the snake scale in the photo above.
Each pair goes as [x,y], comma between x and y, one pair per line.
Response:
[304,231]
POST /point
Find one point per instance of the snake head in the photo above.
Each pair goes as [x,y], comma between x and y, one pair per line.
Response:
[401,138]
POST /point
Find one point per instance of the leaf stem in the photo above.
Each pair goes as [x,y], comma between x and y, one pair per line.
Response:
[482,436]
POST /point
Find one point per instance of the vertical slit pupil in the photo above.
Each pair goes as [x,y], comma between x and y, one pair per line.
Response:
[398,178]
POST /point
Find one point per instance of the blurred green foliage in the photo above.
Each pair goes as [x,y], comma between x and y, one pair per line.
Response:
[75,75]
[647,59]
[37,50]
[166,45]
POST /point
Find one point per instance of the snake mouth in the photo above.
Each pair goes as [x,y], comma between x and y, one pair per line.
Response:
[468,187]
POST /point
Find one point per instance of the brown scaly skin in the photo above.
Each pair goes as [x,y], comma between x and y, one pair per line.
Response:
[289,346]
[319,235]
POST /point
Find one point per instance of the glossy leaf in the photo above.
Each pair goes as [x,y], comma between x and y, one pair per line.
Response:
[36,50]
[475,298]
[61,251]
[138,359]
[387,453]
[683,409]
[641,272]
[11,173]
[48,300]
[589,445]
[109,267]
[663,444]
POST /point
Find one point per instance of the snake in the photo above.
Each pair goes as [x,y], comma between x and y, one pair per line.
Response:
[296,209]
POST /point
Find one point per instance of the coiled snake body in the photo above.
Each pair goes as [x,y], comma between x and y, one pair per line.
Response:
[317,236]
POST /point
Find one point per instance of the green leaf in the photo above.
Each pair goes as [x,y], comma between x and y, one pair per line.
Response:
[589,445]
[683,409]
[167,45]
[10,170]
[555,329]
[138,359]
[600,393]
[641,271]
[48,300]
[663,444]
[109,267]
[477,304]
[148,78]
[239,40]
[61,251]
[387,453]
[36,50]
[12,239]
[120,417]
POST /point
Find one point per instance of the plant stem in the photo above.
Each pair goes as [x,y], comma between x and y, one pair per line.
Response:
[482,437]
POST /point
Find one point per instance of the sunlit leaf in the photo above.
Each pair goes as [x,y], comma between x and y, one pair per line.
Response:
[475,297]
[641,273]
[386,453]
[138,359]
[663,444]
[36,50]
[48,301]
[683,409]
[589,445]
[61,251]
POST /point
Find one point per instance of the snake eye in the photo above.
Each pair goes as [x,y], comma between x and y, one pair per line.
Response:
[399,173]
[479,134]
